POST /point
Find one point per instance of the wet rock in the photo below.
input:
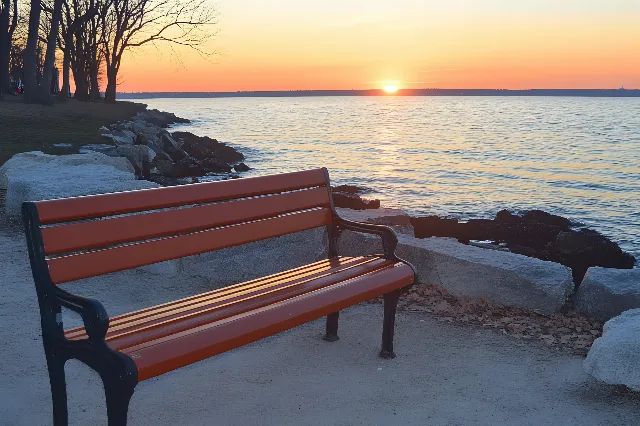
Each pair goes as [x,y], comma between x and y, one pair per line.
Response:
[228,154]
[184,168]
[199,147]
[213,165]
[353,201]
[172,148]
[241,167]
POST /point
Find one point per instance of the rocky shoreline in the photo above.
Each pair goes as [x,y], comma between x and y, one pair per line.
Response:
[169,158]
[533,233]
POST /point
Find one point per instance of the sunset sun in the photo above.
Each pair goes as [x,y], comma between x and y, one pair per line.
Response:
[390,88]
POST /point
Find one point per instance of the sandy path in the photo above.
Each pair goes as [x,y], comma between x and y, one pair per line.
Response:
[444,374]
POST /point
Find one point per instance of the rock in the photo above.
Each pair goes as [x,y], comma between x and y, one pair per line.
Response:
[32,161]
[614,358]
[353,201]
[605,293]
[213,165]
[120,137]
[584,248]
[199,147]
[184,168]
[159,118]
[434,226]
[105,149]
[540,216]
[172,148]
[395,218]
[466,271]
[58,179]
[140,157]
[241,167]
[228,154]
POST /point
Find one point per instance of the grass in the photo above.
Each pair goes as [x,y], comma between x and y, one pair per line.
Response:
[25,127]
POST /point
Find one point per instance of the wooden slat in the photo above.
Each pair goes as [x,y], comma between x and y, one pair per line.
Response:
[135,333]
[90,264]
[178,350]
[321,267]
[100,233]
[132,201]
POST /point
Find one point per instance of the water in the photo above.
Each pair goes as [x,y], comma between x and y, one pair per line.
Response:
[459,156]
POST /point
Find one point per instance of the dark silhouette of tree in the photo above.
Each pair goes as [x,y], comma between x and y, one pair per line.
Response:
[8,24]
[129,24]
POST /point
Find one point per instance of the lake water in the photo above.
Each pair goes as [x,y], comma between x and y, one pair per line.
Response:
[459,156]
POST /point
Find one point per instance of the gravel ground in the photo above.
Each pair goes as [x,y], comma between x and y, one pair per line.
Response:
[445,374]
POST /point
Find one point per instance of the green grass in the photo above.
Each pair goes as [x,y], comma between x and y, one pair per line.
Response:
[25,127]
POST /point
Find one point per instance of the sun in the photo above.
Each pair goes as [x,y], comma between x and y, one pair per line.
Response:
[390,88]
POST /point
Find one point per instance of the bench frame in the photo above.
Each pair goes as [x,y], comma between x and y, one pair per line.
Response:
[117,370]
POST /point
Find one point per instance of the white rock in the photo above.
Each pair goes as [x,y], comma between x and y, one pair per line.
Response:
[614,358]
[606,292]
[38,177]
[34,160]
[505,278]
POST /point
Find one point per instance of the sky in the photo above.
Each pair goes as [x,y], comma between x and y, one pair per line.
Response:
[363,44]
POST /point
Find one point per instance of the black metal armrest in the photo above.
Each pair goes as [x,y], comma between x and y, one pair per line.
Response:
[387,234]
[94,315]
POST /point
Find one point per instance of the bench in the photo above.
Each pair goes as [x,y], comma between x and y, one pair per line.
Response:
[76,238]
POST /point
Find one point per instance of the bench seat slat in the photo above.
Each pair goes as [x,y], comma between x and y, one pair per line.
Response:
[159,356]
[90,206]
[314,269]
[140,330]
[100,233]
[90,264]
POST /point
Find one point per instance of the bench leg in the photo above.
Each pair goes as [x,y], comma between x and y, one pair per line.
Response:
[332,327]
[388,324]
[55,365]
[118,394]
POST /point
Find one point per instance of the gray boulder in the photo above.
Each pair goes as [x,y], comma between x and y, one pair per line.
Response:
[605,292]
[504,278]
[37,176]
[32,162]
[614,358]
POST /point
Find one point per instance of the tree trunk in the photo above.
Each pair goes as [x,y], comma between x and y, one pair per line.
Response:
[30,61]
[50,56]
[95,88]
[110,91]
[5,45]
[66,64]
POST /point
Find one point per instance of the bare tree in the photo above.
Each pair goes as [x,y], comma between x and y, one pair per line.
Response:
[133,23]
[8,24]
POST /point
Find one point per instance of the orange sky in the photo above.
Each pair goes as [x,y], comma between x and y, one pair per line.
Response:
[361,44]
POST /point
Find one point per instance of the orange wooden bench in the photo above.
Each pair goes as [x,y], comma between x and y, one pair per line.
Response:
[75,238]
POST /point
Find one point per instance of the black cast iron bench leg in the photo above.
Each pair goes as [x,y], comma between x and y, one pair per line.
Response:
[331,334]
[388,323]
[55,365]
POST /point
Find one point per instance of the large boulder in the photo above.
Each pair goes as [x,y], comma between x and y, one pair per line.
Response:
[466,271]
[199,147]
[614,358]
[605,292]
[32,162]
[159,118]
[352,201]
[140,157]
[120,136]
[51,180]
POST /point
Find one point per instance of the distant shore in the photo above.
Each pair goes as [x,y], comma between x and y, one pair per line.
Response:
[600,93]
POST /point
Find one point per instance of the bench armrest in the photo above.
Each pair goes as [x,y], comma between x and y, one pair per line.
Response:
[387,234]
[94,315]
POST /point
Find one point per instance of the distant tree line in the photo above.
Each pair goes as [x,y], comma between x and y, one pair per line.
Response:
[87,39]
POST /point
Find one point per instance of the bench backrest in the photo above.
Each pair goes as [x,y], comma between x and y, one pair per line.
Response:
[93,235]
